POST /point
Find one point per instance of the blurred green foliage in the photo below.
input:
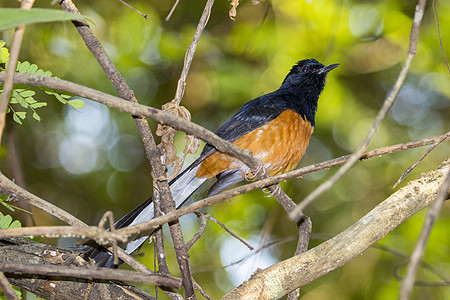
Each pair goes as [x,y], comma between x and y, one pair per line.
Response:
[91,160]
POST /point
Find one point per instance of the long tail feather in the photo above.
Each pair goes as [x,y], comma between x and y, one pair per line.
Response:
[182,187]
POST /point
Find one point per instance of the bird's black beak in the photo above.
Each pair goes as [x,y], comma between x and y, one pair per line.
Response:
[326,69]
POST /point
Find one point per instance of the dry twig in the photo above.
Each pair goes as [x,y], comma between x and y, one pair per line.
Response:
[410,168]
[414,38]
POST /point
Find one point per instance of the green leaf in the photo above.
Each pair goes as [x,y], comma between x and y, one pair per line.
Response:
[27,93]
[38,104]
[60,98]
[32,69]
[15,224]
[12,17]
[21,114]
[36,116]
[4,53]
[30,100]
[5,221]
[77,103]
[16,118]
[21,100]
[22,67]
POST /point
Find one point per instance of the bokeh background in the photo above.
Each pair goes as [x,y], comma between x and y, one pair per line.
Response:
[91,160]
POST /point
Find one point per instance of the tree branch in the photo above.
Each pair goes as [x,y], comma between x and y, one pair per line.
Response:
[19,255]
[138,110]
[149,225]
[283,277]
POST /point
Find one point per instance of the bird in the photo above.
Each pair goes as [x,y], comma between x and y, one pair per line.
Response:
[275,127]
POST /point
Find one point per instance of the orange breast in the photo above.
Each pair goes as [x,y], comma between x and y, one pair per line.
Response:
[279,144]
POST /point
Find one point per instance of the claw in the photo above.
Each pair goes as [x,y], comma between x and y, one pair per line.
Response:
[277,190]
[260,171]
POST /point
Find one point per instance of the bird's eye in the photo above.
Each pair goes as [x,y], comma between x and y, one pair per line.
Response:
[305,69]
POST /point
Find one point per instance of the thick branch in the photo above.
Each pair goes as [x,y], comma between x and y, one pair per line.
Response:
[281,278]
[26,255]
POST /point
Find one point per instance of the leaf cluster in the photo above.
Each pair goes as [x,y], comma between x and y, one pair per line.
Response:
[23,96]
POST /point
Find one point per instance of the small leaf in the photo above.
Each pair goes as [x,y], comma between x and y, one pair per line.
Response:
[15,224]
[38,104]
[60,99]
[27,93]
[16,118]
[5,221]
[4,53]
[36,116]
[77,103]
[24,66]
[21,101]
[30,100]
[32,69]
[40,72]
[21,114]
[47,73]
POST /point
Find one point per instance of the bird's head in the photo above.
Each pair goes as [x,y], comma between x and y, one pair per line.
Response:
[307,76]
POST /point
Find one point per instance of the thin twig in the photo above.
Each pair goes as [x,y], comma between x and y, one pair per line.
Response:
[172,10]
[202,217]
[6,287]
[444,137]
[11,68]
[430,219]
[140,110]
[424,264]
[201,291]
[85,273]
[439,35]
[108,216]
[414,37]
[270,181]
[191,50]
[444,281]
[132,8]
[230,232]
